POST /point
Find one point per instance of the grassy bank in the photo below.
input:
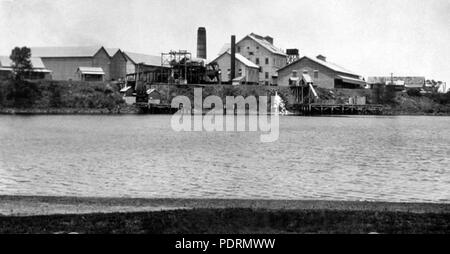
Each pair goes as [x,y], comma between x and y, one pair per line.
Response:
[232,220]
[76,97]
[60,97]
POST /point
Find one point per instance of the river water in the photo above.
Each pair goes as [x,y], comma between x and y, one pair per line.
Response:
[400,158]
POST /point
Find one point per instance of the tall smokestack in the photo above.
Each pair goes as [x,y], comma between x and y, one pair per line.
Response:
[201,42]
[233,57]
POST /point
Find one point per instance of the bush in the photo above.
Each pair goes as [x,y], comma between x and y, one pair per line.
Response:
[415,92]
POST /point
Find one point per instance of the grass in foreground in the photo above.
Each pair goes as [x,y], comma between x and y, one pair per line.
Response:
[232,220]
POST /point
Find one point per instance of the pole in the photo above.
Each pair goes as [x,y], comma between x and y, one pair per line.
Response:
[233,58]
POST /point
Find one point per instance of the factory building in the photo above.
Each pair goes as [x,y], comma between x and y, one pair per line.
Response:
[405,82]
[262,52]
[39,70]
[246,71]
[125,62]
[324,73]
[65,61]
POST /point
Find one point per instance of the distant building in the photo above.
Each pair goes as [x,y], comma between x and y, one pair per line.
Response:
[39,70]
[246,71]
[261,51]
[65,61]
[324,74]
[124,62]
[406,82]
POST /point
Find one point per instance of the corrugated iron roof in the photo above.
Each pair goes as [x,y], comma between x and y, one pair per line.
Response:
[91,70]
[306,78]
[245,61]
[352,80]
[269,46]
[142,58]
[111,51]
[327,64]
[65,51]
[332,66]
[240,58]
[37,63]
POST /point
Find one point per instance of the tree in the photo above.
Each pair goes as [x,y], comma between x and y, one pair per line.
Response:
[21,61]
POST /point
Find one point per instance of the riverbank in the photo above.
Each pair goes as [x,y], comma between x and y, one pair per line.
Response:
[28,214]
[78,97]
[122,109]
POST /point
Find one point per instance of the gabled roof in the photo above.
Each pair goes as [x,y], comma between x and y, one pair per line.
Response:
[37,63]
[263,42]
[329,65]
[137,58]
[240,58]
[65,51]
[111,51]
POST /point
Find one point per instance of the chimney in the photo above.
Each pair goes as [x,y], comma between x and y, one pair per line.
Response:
[269,39]
[321,57]
[201,42]
[233,57]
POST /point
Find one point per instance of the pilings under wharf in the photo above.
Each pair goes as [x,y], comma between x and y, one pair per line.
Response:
[337,109]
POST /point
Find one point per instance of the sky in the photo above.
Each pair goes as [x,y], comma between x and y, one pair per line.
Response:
[370,37]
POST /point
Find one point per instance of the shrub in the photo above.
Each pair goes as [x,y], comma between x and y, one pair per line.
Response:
[414,92]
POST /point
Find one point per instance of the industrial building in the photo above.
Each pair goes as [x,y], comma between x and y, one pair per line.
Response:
[64,62]
[246,71]
[403,82]
[262,52]
[324,74]
[39,70]
[125,62]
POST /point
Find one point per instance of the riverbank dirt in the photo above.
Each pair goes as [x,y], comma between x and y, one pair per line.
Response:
[130,215]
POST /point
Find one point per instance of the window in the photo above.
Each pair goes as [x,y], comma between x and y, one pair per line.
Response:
[267,83]
[260,69]
[238,49]
[316,74]
[257,47]
[229,74]
[267,60]
[240,72]
[257,61]
[267,75]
